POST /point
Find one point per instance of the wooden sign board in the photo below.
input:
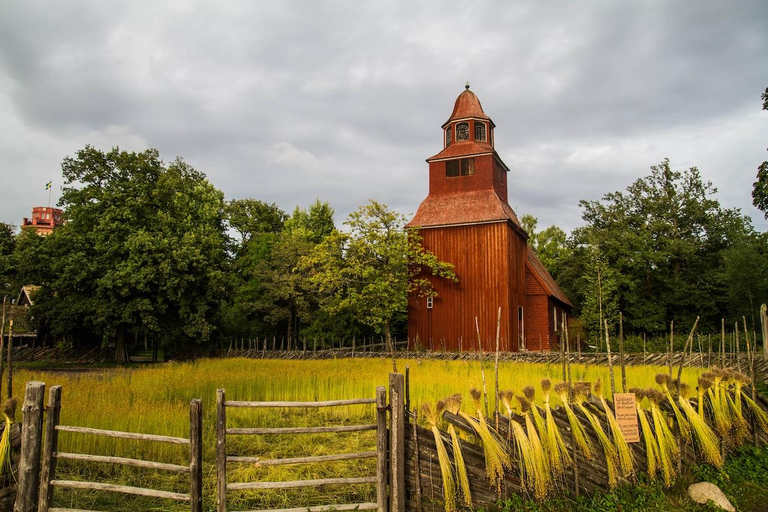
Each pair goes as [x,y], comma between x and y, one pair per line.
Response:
[626,416]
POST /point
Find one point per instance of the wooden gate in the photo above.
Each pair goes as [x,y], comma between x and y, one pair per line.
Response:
[222,458]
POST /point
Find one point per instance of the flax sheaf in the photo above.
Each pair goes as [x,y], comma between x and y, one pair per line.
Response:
[521,443]
[651,446]
[446,469]
[453,405]
[706,440]
[581,391]
[626,463]
[559,458]
[541,479]
[496,458]
[579,434]
[669,450]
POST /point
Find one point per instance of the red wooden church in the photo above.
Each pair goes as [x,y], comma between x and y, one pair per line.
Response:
[466,220]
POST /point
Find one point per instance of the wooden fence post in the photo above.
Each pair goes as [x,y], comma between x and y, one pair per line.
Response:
[221,452]
[764,323]
[382,476]
[397,442]
[51,446]
[196,454]
[31,439]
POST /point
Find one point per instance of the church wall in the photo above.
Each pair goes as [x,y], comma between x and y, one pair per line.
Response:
[489,264]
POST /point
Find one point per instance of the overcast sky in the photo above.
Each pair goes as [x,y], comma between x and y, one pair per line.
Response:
[288,101]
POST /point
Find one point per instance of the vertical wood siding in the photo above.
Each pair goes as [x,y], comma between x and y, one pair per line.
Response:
[489,261]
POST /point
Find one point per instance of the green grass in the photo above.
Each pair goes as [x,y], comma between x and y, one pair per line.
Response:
[155,399]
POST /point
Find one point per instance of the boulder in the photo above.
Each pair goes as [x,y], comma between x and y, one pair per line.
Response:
[704,492]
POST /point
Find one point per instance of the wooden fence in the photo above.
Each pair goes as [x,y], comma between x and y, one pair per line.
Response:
[223,459]
[37,480]
[36,484]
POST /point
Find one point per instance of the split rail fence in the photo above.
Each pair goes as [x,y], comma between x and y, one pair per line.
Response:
[223,459]
[40,454]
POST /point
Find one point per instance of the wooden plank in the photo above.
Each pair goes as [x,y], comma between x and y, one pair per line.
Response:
[123,461]
[123,435]
[70,510]
[48,469]
[196,455]
[124,489]
[31,444]
[382,474]
[397,442]
[302,460]
[301,430]
[328,403]
[323,508]
[243,486]
[221,452]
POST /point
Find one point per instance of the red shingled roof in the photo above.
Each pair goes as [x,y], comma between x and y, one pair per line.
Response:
[467,105]
[463,208]
[464,148]
[544,278]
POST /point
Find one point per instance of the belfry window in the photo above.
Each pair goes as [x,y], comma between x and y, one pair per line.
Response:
[448,135]
[480,132]
[462,131]
[461,167]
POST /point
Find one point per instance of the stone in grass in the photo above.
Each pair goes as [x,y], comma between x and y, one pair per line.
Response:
[704,492]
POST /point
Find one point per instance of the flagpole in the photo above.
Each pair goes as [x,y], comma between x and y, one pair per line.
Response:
[50,189]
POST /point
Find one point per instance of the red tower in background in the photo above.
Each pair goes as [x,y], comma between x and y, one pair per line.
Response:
[466,220]
[44,219]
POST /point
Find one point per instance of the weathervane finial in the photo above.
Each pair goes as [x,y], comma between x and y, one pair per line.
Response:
[466,85]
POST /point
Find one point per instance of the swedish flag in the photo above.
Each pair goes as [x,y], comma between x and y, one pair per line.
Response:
[48,185]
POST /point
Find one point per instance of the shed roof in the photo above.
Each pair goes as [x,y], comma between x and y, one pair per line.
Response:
[544,278]
[26,294]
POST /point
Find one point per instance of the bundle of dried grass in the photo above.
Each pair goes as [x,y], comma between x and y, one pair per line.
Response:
[626,463]
[665,440]
[446,469]
[706,440]
[453,405]
[539,476]
[559,458]
[651,446]
[579,434]
[581,392]
[496,458]
[664,380]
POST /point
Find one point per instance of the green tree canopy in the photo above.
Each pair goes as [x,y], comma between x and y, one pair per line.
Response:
[760,187]
[143,248]
[663,240]
[370,269]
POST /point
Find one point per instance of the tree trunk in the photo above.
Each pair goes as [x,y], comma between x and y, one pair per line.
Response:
[120,352]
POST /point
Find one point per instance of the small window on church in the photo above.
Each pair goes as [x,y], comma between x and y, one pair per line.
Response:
[467,166]
[480,132]
[554,314]
[448,135]
[430,302]
[462,167]
[462,131]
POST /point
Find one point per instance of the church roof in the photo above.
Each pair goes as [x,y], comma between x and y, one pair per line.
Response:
[470,207]
[467,105]
[544,278]
[463,148]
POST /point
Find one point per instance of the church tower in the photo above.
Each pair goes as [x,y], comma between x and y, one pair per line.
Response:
[466,220]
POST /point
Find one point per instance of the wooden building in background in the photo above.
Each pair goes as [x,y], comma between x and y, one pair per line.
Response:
[466,220]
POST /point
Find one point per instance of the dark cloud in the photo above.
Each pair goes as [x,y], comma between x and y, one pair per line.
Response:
[291,101]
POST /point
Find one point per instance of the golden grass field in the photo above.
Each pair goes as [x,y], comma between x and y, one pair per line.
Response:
[155,400]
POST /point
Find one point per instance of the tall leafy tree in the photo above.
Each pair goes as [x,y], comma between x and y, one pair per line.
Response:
[760,187]
[370,269]
[142,250]
[664,238]
[250,217]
